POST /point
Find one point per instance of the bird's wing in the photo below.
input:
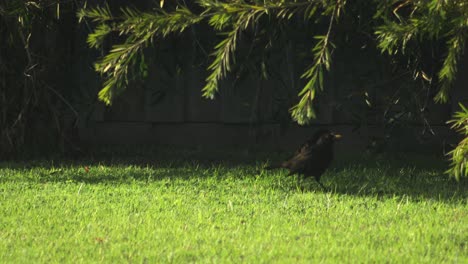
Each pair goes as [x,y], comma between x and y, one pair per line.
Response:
[298,162]
[303,149]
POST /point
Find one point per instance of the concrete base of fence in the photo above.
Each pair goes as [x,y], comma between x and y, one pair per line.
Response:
[269,137]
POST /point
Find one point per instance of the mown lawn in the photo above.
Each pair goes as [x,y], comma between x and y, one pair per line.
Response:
[188,211]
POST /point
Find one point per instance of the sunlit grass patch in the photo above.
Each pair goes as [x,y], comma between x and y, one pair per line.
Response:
[191,211]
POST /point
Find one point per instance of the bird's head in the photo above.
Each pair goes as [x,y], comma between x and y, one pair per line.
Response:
[325,137]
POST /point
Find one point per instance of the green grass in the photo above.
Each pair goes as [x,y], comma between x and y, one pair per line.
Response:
[172,211]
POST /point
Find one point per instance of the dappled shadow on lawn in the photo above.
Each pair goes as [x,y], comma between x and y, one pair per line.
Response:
[417,178]
[414,177]
[421,185]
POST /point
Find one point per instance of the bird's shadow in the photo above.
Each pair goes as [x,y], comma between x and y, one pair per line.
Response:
[390,179]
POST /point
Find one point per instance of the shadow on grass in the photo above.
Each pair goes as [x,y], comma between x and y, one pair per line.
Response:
[414,177]
[415,183]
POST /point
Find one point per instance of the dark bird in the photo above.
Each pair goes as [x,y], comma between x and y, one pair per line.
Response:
[313,157]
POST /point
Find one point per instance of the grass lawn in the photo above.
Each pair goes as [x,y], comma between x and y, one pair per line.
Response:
[377,210]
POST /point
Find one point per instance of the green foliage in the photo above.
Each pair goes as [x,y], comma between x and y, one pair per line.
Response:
[459,155]
[230,18]
[430,21]
[240,16]
[433,21]
[141,29]
[303,112]
[402,28]
[448,72]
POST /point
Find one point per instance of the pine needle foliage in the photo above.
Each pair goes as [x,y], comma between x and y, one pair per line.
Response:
[419,21]
[238,16]
[141,29]
[431,21]
[398,26]
[459,155]
[303,112]
[229,18]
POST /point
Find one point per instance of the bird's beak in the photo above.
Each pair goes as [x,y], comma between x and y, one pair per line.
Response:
[337,136]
